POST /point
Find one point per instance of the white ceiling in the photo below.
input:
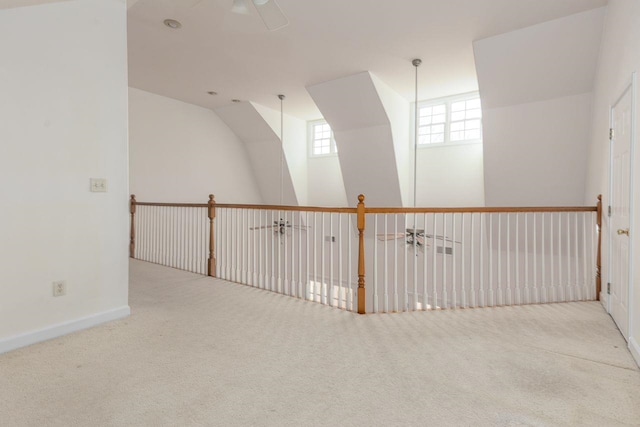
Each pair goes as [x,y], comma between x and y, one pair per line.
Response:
[236,56]
[9,4]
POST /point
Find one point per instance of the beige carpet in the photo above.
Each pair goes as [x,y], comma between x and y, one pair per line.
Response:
[198,351]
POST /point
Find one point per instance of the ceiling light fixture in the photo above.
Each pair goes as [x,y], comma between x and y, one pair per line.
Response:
[239,6]
[235,100]
[211,92]
[260,2]
[172,23]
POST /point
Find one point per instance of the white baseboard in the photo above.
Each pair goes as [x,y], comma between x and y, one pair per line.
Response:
[55,331]
[635,349]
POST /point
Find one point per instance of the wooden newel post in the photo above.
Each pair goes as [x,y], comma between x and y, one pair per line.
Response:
[599,253]
[132,228]
[362,301]
[211,265]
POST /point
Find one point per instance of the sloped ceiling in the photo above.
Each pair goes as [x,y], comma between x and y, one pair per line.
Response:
[545,61]
[235,55]
[364,138]
[10,4]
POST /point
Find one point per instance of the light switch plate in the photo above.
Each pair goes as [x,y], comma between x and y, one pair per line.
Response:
[98,185]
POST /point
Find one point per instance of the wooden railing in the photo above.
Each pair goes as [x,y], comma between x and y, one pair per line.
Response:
[412,258]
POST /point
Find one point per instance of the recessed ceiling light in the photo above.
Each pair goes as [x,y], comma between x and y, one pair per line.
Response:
[211,92]
[172,23]
[235,100]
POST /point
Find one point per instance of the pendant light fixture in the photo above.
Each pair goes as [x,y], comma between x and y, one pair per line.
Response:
[281,97]
[416,63]
[415,236]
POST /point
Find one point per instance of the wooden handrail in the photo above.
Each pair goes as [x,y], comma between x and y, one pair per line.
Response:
[289,208]
[174,205]
[535,209]
[382,210]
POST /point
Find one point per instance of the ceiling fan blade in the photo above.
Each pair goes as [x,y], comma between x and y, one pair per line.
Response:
[422,242]
[240,6]
[271,14]
[441,237]
[383,237]
[263,227]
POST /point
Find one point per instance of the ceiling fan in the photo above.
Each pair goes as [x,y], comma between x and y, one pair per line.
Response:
[269,12]
[280,227]
[415,236]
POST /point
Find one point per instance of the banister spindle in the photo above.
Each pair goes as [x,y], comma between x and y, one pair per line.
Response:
[132,235]
[211,265]
[361,273]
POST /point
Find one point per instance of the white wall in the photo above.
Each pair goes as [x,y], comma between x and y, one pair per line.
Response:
[326,187]
[63,79]
[294,146]
[450,176]
[619,57]
[535,153]
[180,152]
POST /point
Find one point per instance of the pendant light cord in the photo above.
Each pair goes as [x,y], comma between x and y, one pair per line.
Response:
[281,148]
[416,63]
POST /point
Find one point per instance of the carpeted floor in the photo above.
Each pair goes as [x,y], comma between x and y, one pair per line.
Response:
[199,351]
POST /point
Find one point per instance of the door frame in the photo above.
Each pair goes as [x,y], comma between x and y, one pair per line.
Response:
[629,87]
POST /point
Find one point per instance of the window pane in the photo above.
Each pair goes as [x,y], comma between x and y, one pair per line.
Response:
[474,114]
[457,136]
[439,137]
[439,109]
[472,124]
[425,120]
[425,111]
[473,104]
[472,134]
[439,118]
[459,115]
[458,106]
[457,126]
[437,129]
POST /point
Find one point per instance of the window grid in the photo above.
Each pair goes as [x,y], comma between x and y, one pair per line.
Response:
[322,142]
[455,119]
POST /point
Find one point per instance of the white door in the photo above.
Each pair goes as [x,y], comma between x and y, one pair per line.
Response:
[620,201]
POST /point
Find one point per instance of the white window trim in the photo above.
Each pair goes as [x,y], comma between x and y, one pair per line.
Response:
[448,100]
[310,125]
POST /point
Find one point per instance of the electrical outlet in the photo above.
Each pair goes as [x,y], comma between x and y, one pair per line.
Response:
[98,185]
[59,288]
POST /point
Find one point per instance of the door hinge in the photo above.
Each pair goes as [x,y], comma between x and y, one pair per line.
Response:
[609,288]
[611,134]
[609,210]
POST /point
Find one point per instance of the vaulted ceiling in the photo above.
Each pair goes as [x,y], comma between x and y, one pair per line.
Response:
[236,56]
